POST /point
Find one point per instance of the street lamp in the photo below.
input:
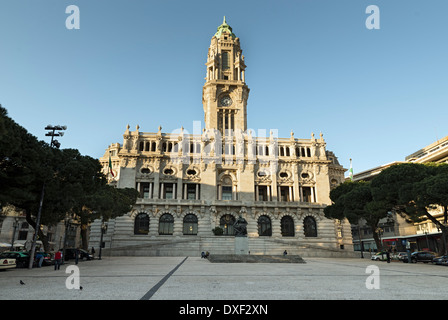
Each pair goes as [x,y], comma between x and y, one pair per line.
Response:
[39,212]
[379,232]
[15,225]
[103,231]
[425,231]
[53,134]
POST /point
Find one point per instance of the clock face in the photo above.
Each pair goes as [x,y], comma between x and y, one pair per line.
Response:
[226,101]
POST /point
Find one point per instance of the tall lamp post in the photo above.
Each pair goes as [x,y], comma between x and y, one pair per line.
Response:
[15,225]
[103,231]
[425,231]
[54,143]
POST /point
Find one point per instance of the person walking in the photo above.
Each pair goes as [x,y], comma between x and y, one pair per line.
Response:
[388,255]
[57,260]
[39,259]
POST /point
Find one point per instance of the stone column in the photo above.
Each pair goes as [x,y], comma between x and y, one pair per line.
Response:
[177,228]
[276,228]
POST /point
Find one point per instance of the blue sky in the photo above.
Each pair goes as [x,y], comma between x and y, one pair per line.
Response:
[312,66]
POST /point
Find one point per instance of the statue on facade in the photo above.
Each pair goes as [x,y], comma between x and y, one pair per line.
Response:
[240,227]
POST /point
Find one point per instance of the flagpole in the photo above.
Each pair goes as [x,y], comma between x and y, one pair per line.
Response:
[351,170]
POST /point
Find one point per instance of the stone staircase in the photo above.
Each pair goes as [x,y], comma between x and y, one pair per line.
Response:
[221,245]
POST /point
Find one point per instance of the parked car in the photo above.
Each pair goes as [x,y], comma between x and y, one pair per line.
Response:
[70,253]
[7,263]
[22,257]
[402,255]
[442,260]
[379,256]
[420,256]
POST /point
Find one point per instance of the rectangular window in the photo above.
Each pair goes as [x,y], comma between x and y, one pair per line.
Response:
[226,193]
[263,193]
[190,190]
[169,191]
[146,189]
[285,194]
[225,60]
[306,191]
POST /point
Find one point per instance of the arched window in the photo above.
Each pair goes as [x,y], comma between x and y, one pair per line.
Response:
[282,151]
[141,224]
[166,224]
[309,227]
[190,224]
[226,223]
[287,226]
[264,226]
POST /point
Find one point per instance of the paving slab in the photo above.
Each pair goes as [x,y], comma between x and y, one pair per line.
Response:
[194,278]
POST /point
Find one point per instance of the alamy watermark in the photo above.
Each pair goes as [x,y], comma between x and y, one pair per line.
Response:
[73,20]
[373,20]
[72,281]
[373,280]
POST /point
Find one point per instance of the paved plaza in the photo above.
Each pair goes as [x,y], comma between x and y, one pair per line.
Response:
[193,278]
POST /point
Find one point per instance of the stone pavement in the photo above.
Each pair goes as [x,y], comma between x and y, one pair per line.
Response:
[193,278]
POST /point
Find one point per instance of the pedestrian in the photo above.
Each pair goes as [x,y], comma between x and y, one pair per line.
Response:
[39,259]
[93,252]
[57,260]
[202,255]
[388,255]
[285,253]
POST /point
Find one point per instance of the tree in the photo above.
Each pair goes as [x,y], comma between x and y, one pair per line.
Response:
[23,168]
[417,190]
[70,182]
[81,190]
[354,201]
[21,158]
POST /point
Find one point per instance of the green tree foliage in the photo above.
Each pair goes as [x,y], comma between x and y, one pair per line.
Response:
[73,184]
[418,190]
[21,158]
[354,201]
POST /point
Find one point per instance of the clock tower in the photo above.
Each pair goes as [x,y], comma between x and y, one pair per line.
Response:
[225,93]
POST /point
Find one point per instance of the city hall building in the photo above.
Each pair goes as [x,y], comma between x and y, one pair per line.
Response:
[194,187]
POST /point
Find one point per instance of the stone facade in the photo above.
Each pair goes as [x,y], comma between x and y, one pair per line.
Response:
[194,186]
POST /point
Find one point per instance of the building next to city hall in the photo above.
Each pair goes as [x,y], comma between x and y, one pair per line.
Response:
[193,187]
